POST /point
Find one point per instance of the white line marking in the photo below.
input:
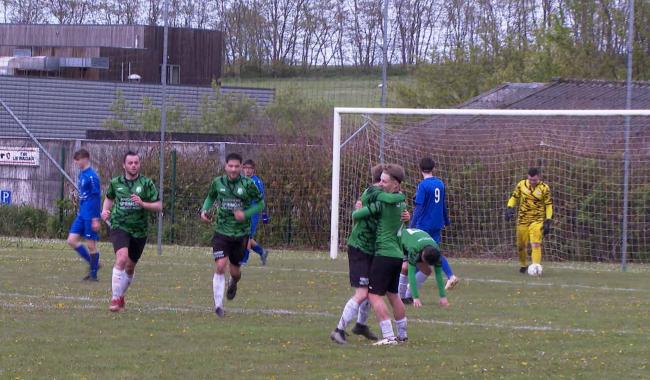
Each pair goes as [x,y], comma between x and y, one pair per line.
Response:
[148,308]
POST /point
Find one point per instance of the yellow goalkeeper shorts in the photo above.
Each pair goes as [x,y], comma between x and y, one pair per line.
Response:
[529,233]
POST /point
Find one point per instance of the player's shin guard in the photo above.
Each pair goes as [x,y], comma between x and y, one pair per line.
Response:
[403,285]
[446,267]
[401,328]
[350,311]
[116,283]
[83,252]
[218,288]
[364,311]
[536,254]
[387,329]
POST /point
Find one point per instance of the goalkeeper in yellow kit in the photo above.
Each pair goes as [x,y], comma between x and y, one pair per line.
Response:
[535,216]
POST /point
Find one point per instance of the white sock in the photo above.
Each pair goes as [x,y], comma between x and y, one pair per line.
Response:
[127,282]
[364,310]
[387,329]
[350,311]
[218,286]
[403,285]
[116,283]
[401,328]
[420,278]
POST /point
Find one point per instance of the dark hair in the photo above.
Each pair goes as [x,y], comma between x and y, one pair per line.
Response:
[250,162]
[427,164]
[533,172]
[81,153]
[395,171]
[129,153]
[375,172]
[234,156]
[431,255]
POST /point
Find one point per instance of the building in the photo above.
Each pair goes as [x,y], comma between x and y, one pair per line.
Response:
[114,53]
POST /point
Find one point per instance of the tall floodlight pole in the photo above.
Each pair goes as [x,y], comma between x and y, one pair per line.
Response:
[163,120]
[626,158]
[384,81]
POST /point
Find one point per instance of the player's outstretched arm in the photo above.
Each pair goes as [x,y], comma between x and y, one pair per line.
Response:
[440,283]
[415,292]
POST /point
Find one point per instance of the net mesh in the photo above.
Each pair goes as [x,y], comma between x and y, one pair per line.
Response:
[481,158]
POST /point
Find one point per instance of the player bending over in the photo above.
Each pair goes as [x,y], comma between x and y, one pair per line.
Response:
[86,223]
[387,262]
[431,215]
[422,252]
[238,199]
[535,216]
[129,198]
[249,171]
[361,248]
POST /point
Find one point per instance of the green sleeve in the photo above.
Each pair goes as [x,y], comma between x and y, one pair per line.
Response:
[255,196]
[412,283]
[367,211]
[439,281]
[110,192]
[391,198]
[152,192]
[209,200]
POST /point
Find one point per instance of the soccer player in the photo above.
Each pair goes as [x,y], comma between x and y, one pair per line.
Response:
[238,199]
[430,215]
[87,223]
[422,252]
[129,199]
[387,263]
[361,248]
[249,171]
[535,216]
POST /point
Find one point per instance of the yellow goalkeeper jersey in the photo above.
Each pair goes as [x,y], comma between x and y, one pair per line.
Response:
[535,204]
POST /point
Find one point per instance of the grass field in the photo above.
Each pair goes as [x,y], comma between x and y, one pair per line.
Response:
[578,321]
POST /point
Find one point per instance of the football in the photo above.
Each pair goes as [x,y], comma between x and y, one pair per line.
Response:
[535,270]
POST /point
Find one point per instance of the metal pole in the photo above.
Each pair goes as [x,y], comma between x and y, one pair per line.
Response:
[384,81]
[172,201]
[163,121]
[626,158]
[38,143]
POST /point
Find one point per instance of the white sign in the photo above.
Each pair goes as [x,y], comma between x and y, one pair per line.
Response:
[19,156]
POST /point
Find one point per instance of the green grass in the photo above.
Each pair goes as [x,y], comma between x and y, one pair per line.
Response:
[345,91]
[584,321]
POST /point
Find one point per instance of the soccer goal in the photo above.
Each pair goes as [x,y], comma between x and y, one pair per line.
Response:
[596,162]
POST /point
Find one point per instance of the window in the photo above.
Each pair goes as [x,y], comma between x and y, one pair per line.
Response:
[173,74]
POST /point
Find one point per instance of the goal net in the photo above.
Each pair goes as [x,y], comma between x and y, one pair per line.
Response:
[482,154]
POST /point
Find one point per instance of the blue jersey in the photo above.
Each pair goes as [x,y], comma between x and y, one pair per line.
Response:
[430,213]
[90,194]
[260,185]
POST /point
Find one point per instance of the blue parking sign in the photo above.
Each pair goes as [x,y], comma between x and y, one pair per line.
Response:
[5,197]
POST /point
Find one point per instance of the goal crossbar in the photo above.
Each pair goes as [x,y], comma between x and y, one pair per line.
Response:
[336,138]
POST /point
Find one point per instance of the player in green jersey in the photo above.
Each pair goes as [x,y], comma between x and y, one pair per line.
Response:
[361,248]
[387,263]
[422,252]
[129,199]
[238,199]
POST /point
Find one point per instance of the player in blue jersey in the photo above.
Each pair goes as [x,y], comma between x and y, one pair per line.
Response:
[430,215]
[86,224]
[249,171]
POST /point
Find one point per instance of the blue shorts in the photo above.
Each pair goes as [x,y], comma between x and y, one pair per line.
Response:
[84,227]
[255,219]
[435,235]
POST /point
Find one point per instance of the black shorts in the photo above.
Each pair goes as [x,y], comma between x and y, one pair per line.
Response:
[231,247]
[359,263]
[122,239]
[384,275]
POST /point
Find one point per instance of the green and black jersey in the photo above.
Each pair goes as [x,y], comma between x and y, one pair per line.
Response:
[230,195]
[126,214]
[413,242]
[388,210]
[364,231]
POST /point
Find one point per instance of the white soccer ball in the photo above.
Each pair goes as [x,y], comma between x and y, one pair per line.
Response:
[535,270]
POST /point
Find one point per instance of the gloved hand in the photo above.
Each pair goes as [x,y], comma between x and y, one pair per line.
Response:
[510,213]
[546,228]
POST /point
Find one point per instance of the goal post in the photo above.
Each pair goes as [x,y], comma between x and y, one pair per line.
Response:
[576,148]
